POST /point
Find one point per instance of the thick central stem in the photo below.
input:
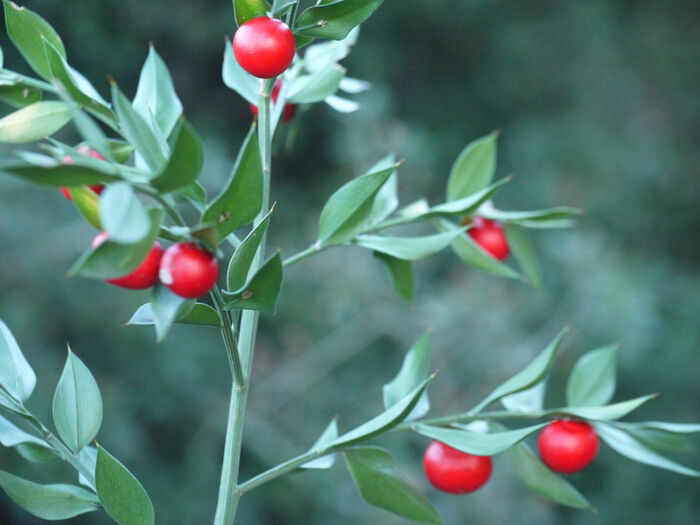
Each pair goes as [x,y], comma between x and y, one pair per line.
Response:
[228,489]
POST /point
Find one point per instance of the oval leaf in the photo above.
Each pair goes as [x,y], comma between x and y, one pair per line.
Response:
[608,412]
[244,10]
[475,442]
[334,20]
[242,258]
[166,307]
[315,87]
[34,122]
[235,77]
[261,292]
[592,380]
[16,376]
[201,314]
[474,168]
[185,162]
[408,248]
[414,370]
[122,215]
[401,273]
[524,253]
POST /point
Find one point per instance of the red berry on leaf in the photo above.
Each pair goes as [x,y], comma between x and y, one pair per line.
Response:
[97,188]
[490,237]
[188,270]
[568,446]
[289,109]
[454,471]
[264,47]
[145,276]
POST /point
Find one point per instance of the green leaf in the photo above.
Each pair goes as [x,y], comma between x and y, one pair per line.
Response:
[111,259]
[414,370]
[634,449]
[12,436]
[387,198]
[77,405]
[244,10]
[36,453]
[526,401]
[138,131]
[408,248]
[90,131]
[384,421]
[475,442]
[185,162]
[18,95]
[201,314]
[334,19]
[121,151]
[558,217]
[662,436]
[541,480]
[242,258]
[26,29]
[166,307]
[401,274]
[16,376]
[120,493]
[34,122]
[156,95]
[470,253]
[241,199]
[474,168]
[87,203]
[122,215]
[315,87]
[468,204]
[381,484]
[51,173]
[260,293]
[532,374]
[328,436]
[349,207]
[524,253]
[608,412]
[48,502]
[236,78]
[592,380]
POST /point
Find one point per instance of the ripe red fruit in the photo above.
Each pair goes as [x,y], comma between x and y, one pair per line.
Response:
[568,446]
[490,237]
[264,47]
[145,276]
[289,109]
[454,471]
[188,270]
[97,188]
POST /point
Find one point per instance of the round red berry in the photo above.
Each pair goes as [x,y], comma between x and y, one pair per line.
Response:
[454,471]
[145,276]
[289,109]
[264,47]
[490,237]
[568,446]
[97,188]
[188,270]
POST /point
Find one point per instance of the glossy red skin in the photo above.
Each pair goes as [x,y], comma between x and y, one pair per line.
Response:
[97,188]
[188,270]
[490,237]
[264,47]
[568,446]
[145,276]
[289,109]
[454,471]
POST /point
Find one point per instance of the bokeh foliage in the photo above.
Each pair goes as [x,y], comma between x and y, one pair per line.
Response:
[597,102]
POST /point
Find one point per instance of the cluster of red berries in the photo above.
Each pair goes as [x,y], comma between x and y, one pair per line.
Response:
[564,446]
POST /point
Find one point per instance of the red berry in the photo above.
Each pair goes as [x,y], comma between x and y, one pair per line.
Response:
[188,270]
[264,47]
[97,188]
[490,237]
[568,446]
[452,470]
[145,276]
[289,109]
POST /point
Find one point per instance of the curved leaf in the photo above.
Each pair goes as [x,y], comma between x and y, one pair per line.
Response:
[475,442]
[16,376]
[34,122]
[592,380]
[474,168]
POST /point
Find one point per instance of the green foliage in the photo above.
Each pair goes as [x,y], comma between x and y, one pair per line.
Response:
[334,19]
[474,168]
[261,291]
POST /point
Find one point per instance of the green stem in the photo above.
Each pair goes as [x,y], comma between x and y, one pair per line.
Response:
[305,254]
[169,208]
[229,494]
[227,333]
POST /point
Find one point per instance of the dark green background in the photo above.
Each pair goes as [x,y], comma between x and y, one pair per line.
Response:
[598,103]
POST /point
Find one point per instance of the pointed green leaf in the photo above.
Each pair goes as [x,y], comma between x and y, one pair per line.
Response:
[607,412]
[414,370]
[236,78]
[316,86]
[122,215]
[261,292]
[631,447]
[36,453]
[387,198]
[17,94]
[77,405]
[468,204]
[524,253]
[526,401]
[335,19]
[185,162]
[401,274]
[51,173]
[201,314]
[662,436]
[12,436]
[328,436]
[475,442]
[558,217]
[26,29]
[349,207]
[156,95]
[16,376]
[241,199]
[532,374]
[408,248]
[242,258]
[48,502]
[34,122]
[120,493]
[381,484]
[166,307]
[474,168]
[244,10]
[592,380]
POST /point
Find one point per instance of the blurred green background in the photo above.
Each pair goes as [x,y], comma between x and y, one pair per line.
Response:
[598,103]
